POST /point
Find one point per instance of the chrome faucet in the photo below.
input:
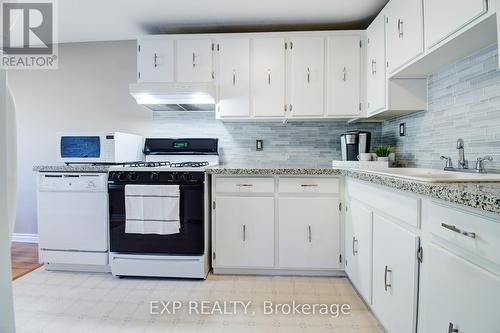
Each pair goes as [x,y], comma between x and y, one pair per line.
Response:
[479,163]
[462,162]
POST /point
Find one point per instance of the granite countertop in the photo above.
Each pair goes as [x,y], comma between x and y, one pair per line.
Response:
[484,196]
[72,168]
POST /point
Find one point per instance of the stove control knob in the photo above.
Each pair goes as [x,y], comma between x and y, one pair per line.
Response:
[155,176]
[174,177]
[121,176]
[132,176]
[182,177]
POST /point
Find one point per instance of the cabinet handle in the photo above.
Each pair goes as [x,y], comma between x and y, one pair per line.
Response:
[309,185]
[269,77]
[400,28]
[387,285]
[310,236]
[234,77]
[354,250]
[245,185]
[194,60]
[244,232]
[451,328]
[374,66]
[457,230]
[156,60]
[344,74]
[308,75]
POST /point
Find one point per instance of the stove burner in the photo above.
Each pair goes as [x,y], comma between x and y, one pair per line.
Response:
[188,164]
[168,164]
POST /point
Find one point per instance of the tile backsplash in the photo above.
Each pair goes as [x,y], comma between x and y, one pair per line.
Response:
[311,143]
[464,102]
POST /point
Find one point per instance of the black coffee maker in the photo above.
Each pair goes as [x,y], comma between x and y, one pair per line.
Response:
[354,143]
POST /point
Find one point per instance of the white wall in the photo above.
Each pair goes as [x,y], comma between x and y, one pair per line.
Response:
[89,92]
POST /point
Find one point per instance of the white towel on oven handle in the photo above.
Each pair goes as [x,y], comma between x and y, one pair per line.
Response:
[152,209]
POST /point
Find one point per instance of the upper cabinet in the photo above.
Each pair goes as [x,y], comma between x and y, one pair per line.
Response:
[233,77]
[444,17]
[404,29]
[306,79]
[344,76]
[155,61]
[376,83]
[268,79]
[194,60]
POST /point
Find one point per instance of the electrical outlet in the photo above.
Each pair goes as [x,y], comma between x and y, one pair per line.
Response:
[402,129]
[259,145]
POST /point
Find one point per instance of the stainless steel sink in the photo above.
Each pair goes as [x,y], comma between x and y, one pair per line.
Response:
[435,176]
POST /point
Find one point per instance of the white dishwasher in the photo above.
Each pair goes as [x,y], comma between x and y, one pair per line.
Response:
[72,221]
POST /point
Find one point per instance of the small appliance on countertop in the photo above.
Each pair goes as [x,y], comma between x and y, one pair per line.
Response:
[354,143]
[99,148]
[159,210]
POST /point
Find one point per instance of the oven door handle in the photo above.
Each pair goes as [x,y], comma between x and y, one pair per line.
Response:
[115,187]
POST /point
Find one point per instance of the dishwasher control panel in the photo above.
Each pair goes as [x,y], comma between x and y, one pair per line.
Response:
[68,182]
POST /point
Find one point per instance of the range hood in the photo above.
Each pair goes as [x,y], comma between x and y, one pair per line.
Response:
[175,96]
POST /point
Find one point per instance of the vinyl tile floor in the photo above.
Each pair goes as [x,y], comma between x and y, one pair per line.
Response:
[67,302]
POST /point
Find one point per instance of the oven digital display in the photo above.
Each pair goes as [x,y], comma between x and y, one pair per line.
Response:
[80,147]
[180,145]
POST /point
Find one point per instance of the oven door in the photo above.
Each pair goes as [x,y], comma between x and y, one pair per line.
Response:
[189,241]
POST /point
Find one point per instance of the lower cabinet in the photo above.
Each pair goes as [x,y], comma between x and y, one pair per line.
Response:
[395,275]
[456,295]
[358,248]
[309,233]
[245,231]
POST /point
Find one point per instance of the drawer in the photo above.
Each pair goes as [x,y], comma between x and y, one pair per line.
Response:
[478,235]
[309,185]
[399,205]
[244,185]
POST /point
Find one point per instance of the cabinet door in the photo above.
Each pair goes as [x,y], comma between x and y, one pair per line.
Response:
[155,61]
[358,248]
[375,66]
[234,77]
[395,270]
[444,17]
[404,32]
[194,60]
[344,81]
[268,83]
[244,231]
[306,79]
[309,233]
[454,291]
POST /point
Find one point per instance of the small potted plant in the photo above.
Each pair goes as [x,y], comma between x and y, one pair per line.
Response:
[382,152]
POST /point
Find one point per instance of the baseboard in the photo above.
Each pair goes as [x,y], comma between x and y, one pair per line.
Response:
[24,238]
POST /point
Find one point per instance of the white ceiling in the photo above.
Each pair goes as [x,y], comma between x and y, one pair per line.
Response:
[101,20]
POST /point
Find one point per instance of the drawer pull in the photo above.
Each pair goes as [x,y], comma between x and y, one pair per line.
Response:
[245,185]
[354,248]
[457,230]
[387,285]
[310,234]
[244,232]
[309,185]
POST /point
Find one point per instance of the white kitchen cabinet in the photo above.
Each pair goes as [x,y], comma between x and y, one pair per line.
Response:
[155,60]
[444,17]
[344,76]
[404,31]
[395,274]
[376,83]
[456,294]
[194,60]
[233,77]
[244,233]
[306,80]
[268,79]
[309,235]
[358,247]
